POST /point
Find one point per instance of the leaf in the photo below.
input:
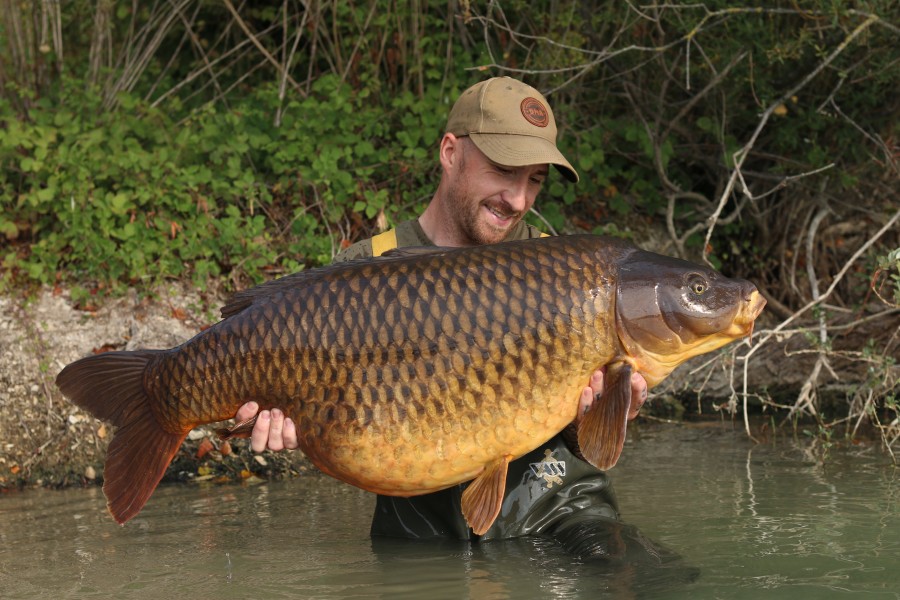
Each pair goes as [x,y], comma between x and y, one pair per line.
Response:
[205,448]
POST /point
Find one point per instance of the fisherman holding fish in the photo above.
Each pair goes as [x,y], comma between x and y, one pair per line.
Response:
[412,374]
[495,155]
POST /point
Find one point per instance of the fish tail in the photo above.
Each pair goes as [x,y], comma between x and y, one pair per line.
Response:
[111,387]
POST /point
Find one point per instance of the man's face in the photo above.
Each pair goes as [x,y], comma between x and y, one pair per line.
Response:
[490,199]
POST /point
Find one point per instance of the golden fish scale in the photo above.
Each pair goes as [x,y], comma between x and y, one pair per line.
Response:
[407,379]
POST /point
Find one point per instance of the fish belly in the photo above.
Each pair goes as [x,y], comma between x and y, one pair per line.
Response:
[420,453]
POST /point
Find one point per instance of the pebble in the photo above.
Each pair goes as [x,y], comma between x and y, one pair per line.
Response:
[197,434]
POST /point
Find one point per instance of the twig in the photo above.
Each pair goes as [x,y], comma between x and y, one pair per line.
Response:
[359,40]
[837,279]
[197,72]
[271,59]
[282,87]
[546,223]
[806,399]
[783,183]
[146,46]
[873,137]
[714,82]
[189,31]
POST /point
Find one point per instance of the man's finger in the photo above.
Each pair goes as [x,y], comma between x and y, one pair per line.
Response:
[638,395]
[260,435]
[590,394]
[290,435]
[584,403]
[246,411]
[276,442]
[596,382]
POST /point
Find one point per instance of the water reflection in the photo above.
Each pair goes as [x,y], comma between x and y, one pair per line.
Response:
[756,521]
[767,517]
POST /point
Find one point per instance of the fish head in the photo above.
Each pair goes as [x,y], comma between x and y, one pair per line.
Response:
[669,310]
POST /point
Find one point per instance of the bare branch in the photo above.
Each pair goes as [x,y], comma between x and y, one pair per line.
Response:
[741,155]
[766,336]
[271,59]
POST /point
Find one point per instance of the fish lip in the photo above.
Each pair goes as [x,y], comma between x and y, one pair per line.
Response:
[760,304]
[756,303]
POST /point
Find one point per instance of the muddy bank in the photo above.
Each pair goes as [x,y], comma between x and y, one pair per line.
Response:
[45,440]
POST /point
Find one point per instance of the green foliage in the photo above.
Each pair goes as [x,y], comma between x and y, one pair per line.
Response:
[128,196]
[122,197]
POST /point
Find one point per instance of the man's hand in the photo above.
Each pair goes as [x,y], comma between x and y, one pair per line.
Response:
[595,389]
[272,430]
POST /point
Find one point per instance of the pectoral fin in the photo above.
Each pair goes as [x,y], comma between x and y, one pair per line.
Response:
[601,433]
[482,499]
[238,430]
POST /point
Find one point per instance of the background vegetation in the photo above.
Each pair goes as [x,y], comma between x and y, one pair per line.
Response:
[220,140]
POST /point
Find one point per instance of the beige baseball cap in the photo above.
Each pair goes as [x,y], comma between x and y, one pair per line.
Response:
[511,123]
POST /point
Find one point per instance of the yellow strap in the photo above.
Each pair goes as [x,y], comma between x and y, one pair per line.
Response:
[384,241]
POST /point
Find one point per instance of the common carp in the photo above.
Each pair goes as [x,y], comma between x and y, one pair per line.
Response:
[422,369]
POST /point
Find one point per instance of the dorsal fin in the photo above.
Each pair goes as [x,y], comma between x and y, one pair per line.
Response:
[246,298]
[414,251]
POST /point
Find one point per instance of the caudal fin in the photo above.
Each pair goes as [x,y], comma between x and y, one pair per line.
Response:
[111,387]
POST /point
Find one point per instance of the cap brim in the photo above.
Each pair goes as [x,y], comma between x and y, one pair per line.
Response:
[520,150]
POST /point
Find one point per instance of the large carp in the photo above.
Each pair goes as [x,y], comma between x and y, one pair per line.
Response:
[423,369]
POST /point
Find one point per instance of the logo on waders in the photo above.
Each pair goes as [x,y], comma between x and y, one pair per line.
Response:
[549,469]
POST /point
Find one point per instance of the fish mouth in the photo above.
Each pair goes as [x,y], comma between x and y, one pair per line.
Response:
[757,303]
[743,324]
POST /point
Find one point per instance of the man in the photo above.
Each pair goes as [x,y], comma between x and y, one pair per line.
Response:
[495,156]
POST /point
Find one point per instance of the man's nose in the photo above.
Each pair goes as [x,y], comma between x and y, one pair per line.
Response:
[516,194]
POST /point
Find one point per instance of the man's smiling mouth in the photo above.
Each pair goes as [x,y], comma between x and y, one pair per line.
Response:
[500,214]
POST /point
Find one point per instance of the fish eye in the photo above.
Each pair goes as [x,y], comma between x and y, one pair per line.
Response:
[698,286]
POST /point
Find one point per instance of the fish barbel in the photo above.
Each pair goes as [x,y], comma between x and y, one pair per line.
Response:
[423,369]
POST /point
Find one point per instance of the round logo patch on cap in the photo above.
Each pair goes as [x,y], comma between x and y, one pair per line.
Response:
[535,112]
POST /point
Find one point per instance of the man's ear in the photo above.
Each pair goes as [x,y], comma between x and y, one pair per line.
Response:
[451,152]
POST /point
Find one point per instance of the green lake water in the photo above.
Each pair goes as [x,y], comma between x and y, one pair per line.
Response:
[749,521]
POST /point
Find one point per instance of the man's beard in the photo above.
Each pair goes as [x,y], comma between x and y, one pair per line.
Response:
[472,225]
